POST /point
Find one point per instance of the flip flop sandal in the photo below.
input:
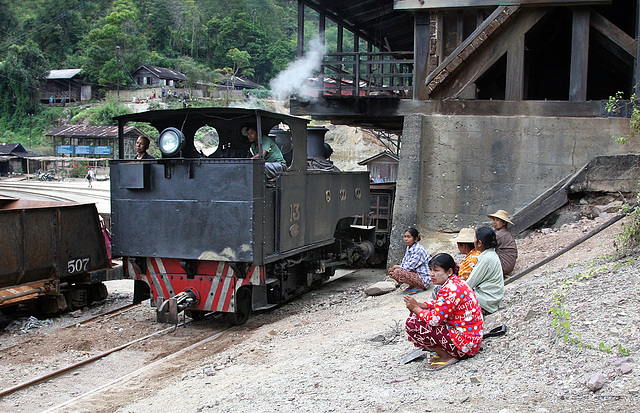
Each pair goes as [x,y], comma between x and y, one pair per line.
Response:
[414,355]
[412,291]
[496,332]
[441,364]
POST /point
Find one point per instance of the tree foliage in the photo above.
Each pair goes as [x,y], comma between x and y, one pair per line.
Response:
[21,73]
[84,34]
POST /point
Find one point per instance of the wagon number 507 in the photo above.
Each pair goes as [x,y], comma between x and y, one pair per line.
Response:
[78,265]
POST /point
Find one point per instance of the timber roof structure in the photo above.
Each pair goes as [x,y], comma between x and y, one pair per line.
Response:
[484,57]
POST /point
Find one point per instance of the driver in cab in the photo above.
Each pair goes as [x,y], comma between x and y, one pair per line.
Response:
[274,162]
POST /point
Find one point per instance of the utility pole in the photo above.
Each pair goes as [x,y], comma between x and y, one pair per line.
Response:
[118,70]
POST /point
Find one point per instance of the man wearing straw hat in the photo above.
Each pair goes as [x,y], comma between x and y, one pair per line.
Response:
[507,250]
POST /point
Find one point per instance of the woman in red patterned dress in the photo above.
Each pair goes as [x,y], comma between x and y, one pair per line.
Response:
[451,325]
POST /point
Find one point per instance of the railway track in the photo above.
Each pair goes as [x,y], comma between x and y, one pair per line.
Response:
[45,190]
[148,344]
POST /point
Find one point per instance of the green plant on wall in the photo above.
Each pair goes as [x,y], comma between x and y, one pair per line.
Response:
[629,237]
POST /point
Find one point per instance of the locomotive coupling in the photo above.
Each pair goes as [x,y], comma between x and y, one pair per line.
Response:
[169,309]
[360,253]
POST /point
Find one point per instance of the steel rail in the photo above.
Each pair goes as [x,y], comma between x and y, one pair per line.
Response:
[83,362]
[52,197]
[34,188]
[140,370]
[110,312]
[571,246]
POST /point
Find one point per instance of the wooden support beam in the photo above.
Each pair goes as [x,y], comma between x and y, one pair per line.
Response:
[579,55]
[488,54]
[340,40]
[459,27]
[322,23]
[613,33]
[514,88]
[421,41]
[300,28]
[448,4]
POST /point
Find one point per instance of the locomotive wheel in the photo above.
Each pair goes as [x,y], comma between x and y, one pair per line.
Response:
[243,307]
[97,292]
[195,314]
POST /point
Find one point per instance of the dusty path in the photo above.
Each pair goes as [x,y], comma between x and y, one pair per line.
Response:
[336,349]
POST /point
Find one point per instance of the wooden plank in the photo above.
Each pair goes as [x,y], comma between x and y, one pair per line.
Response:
[546,207]
[514,89]
[488,54]
[345,107]
[613,33]
[448,4]
[579,55]
[421,41]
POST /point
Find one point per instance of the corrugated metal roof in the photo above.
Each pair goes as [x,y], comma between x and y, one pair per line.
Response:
[69,131]
[387,154]
[162,73]
[63,73]
[12,149]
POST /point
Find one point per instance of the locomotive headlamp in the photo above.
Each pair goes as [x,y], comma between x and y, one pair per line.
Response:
[171,141]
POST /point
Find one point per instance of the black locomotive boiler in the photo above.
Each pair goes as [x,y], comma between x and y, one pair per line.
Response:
[213,234]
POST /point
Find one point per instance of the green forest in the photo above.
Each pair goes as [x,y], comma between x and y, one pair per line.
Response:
[109,39]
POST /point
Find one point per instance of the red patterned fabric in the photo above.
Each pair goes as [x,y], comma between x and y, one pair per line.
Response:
[424,336]
[456,308]
[407,277]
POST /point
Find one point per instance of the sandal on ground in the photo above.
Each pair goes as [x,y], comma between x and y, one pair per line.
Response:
[441,364]
[412,291]
[496,332]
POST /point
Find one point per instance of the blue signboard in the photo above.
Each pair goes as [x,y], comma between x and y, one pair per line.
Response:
[83,150]
[102,150]
[65,149]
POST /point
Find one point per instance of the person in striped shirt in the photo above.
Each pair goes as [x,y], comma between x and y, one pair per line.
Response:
[414,268]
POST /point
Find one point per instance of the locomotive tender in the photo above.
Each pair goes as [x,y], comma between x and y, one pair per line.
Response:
[213,234]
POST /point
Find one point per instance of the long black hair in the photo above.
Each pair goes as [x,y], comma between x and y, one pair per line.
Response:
[487,236]
[444,261]
[414,233]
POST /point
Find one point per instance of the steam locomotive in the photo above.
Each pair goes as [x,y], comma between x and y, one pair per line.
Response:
[211,233]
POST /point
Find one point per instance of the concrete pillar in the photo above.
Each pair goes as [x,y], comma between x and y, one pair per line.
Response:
[405,210]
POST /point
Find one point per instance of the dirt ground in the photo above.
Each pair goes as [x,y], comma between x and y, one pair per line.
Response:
[336,349]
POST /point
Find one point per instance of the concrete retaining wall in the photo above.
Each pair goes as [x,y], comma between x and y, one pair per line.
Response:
[456,169]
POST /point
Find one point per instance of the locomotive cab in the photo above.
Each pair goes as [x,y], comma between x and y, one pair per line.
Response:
[211,234]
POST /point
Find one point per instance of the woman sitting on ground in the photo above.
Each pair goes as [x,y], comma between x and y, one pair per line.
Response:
[451,325]
[506,249]
[486,278]
[414,268]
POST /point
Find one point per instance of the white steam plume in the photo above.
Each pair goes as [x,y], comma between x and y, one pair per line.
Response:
[291,81]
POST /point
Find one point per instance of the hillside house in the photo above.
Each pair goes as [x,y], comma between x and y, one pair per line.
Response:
[383,165]
[13,158]
[148,75]
[67,85]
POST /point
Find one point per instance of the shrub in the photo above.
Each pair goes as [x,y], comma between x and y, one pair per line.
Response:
[78,170]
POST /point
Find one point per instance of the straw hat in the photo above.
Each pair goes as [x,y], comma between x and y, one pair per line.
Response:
[465,235]
[501,214]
